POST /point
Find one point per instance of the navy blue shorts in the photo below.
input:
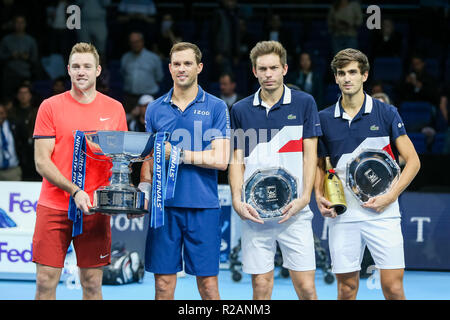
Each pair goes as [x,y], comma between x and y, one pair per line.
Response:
[189,233]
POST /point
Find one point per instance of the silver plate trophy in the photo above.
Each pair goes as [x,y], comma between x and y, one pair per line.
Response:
[123,148]
[371,173]
[269,191]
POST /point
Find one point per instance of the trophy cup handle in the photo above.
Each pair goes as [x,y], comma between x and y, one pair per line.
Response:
[97,159]
[147,158]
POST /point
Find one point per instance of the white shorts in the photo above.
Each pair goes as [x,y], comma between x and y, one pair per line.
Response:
[383,238]
[259,245]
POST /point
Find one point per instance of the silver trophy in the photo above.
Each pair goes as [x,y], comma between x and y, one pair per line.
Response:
[123,148]
[269,191]
[371,173]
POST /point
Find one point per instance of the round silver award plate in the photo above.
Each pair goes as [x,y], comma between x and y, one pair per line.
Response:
[269,191]
[371,173]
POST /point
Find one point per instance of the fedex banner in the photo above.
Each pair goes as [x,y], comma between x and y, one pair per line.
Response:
[425,226]
[17,217]
[18,202]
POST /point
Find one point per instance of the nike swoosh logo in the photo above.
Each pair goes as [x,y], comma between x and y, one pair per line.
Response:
[103,119]
[104,256]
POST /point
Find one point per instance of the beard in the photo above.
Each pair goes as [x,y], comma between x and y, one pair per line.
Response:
[352,91]
[273,87]
[83,86]
[189,82]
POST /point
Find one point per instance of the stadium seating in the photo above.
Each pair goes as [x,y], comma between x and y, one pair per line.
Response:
[214,88]
[433,68]
[188,29]
[43,88]
[295,30]
[256,28]
[419,141]
[116,80]
[447,71]
[440,123]
[438,143]
[320,65]
[388,69]
[416,114]
[317,48]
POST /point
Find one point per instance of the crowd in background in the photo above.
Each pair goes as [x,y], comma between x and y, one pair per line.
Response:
[410,62]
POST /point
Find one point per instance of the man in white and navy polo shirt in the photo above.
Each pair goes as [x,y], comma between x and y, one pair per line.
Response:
[354,123]
[276,127]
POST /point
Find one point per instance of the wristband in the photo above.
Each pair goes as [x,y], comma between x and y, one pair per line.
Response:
[75,193]
[145,188]
[180,161]
[181,156]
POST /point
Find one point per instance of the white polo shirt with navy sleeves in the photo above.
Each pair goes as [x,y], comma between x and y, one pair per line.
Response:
[273,137]
[376,126]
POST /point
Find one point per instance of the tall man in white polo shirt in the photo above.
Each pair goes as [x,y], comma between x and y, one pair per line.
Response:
[354,123]
[286,126]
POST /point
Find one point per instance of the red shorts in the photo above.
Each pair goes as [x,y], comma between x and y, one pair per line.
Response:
[53,234]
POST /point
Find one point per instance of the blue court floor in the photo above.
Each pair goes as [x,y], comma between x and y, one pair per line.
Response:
[419,285]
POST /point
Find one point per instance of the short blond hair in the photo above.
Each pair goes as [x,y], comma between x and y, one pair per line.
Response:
[263,48]
[83,47]
[181,46]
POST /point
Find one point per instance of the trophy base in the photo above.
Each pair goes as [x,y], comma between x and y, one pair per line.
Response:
[119,201]
[115,211]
